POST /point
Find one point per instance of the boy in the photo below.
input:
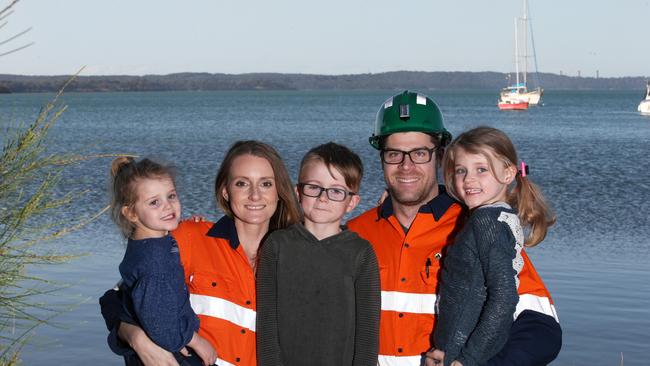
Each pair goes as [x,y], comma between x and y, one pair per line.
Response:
[318,293]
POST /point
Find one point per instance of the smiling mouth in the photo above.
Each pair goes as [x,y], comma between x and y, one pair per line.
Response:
[407,180]
[255,207]
[473,191]
[171,216]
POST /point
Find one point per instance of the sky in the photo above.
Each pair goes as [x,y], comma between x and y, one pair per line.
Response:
[333,37]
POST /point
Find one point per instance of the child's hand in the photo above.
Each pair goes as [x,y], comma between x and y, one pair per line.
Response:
[435,357]
[203,349]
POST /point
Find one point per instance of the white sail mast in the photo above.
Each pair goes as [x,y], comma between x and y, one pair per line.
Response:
[516,94]
[516,53]
[524,20]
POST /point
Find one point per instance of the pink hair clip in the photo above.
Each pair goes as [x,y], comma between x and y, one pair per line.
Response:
[523,170]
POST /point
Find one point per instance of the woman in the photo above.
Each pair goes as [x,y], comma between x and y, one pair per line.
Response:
[219,260]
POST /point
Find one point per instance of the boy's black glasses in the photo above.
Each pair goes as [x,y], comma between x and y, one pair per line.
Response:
[417,156]
[333,194]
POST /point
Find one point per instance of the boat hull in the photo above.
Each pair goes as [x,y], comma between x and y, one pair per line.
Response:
[644,107]
[513,106]
[533,97]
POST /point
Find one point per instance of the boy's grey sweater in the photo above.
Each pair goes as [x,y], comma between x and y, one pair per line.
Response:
[318,301]
[478,293]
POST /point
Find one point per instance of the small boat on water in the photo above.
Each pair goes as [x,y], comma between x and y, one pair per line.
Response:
[512,105]
[644,106]
[518,93]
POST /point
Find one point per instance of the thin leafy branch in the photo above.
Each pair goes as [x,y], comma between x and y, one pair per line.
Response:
[30,178]
[5,13]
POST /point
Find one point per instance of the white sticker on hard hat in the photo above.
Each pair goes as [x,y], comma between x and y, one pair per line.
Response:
[421,99]
[388,103]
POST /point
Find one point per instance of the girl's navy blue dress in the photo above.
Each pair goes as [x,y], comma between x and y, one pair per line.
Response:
[155,295]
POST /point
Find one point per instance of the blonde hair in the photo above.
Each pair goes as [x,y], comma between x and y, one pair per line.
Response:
[125,174]
[338,157]
[287,212]
[525,196]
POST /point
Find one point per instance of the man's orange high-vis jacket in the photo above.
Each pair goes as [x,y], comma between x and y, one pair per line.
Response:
[409,265]
[221,283]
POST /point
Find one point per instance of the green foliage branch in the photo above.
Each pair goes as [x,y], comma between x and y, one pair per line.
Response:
[29,178]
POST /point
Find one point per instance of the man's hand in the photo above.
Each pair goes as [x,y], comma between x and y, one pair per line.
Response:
[435,357]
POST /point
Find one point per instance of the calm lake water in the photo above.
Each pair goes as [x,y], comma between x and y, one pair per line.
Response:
[587,150]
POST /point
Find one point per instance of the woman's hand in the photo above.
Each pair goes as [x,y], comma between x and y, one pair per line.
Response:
[149,352]
[196,218]
[383,197]
[203,349]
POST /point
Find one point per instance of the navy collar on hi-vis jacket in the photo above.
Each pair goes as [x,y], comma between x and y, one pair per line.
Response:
[437,206]
[225,229]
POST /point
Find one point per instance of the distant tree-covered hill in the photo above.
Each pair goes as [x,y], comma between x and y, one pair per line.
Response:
[273,81]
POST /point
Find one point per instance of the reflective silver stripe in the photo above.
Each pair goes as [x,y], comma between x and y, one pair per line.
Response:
[221,362]
[536,303]
[223,309]
[405,302]
[384,360]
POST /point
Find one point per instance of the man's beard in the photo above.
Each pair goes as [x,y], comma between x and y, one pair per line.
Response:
[410,198]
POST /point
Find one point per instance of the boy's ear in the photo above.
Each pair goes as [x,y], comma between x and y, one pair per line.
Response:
[129,214]
[354,201]
[297,191]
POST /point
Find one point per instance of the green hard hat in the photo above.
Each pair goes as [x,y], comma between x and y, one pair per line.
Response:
[409,112]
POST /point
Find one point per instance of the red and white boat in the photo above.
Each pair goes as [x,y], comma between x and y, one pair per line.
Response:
[644,106]
[512,105]
[517,96]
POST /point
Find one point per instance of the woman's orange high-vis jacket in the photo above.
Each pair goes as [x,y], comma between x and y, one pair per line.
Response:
[221,283]
[409,265]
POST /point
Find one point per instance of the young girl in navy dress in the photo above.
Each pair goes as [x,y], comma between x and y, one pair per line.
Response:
[146,208]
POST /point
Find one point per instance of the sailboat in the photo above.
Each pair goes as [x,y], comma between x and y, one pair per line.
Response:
[644,106]
[517,96]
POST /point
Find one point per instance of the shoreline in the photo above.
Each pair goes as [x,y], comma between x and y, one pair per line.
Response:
[417,80]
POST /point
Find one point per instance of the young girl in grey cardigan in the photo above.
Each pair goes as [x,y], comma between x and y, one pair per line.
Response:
[478,293]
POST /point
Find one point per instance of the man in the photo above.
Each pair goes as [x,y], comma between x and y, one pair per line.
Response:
[409,232]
